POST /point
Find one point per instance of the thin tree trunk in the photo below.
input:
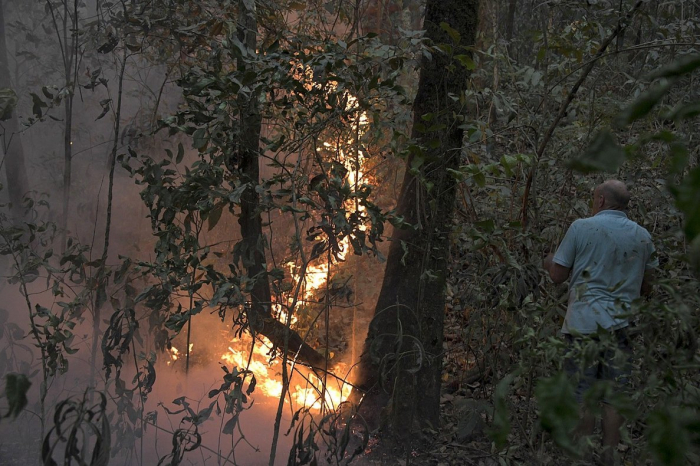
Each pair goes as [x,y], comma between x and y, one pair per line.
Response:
[15,170]
[69,53]
[102,276]
[401,363]
[510,26]
[253,240]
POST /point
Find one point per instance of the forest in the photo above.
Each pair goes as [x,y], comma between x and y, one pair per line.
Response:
[305,232]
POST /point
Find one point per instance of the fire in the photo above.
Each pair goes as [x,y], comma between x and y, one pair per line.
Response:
[310,394]
[312,391]
[314,278]
[175,353]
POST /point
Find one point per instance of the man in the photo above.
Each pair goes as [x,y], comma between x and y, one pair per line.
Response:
[610,259]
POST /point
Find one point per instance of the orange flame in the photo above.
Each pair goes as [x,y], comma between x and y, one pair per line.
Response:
[310,394]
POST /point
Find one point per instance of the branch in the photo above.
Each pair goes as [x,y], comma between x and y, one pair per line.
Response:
[621,25]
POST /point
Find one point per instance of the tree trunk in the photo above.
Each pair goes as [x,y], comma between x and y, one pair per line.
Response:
[401,364]
[15,170]
[253,240]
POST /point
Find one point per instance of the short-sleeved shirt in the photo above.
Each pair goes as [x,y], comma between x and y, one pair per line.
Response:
[608,255]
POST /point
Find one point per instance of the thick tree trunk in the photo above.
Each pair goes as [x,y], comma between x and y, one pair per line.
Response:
[253,240]
[401,363]
[13,151]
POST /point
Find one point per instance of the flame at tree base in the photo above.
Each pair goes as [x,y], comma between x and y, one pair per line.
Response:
[306,389]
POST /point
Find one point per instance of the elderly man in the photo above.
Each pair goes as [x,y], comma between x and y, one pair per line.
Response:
[609,258]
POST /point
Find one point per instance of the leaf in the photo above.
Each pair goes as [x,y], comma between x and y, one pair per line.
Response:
[106,105]
[668,440]
[205,413]
[215,215]
[603,154]
[501,416]
[687,195]
[480,179]
[453,33]
[180,153]
[230,424]
[487,225]
[37,105]
[16,388]
[466,61]
[8,102]
[559,411]
[643,104]
[251,386]
[684,112]
[680,67]
[47,94]
[199,139]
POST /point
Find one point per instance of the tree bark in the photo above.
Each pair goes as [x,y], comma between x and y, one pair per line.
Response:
[15,169]
[253,241]
[401,364]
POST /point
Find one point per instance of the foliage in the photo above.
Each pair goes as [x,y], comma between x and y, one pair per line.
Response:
[331,435]
[686,191]
[81,430]
[16,387]
[633,117]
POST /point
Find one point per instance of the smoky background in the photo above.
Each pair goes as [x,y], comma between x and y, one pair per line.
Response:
[77,112]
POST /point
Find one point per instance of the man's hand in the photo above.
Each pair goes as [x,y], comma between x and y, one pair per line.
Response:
[647,283]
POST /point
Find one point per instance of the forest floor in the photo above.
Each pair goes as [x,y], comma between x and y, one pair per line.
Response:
[467,407]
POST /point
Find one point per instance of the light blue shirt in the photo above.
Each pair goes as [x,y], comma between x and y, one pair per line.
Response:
[608,254]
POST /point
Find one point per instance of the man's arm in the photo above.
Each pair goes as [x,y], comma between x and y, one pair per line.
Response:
[558,273]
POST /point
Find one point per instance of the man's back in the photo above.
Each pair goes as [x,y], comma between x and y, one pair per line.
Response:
[608,255]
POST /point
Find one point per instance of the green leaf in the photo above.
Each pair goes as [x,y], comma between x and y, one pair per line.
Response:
[501,415]
[479,179]
[680,67]
[679,158]
[668,440]
[559,411]
[16,388]
[215,215]
[180,153]
[466,61]
[454,35]
[643,104]
[487,225]
[200,139]
[8,102]
[687,195]
[684,112]
[603,154]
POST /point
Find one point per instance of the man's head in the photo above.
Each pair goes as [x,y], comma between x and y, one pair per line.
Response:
[610,195]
